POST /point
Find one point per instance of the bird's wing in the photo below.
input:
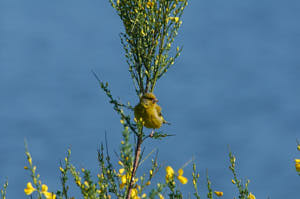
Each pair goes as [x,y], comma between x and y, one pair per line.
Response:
[158,110]
[138,111]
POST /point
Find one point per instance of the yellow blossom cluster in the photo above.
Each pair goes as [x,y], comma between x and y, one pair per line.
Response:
[134,194]
[219,193]
[30,189]
[251,196]
[150,4]
[125,179]
[297,165]
[170,175]
[175,19]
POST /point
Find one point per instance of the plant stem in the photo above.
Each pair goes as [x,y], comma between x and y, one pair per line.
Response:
[135,163]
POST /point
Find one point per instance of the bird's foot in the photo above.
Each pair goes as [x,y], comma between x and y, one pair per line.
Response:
[151,134]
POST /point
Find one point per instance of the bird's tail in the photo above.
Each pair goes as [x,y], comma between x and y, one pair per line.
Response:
[166,122]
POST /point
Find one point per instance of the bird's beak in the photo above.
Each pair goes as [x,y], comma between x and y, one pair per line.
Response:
[155,100]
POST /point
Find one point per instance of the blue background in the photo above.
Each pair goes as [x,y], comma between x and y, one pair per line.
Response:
[236,83]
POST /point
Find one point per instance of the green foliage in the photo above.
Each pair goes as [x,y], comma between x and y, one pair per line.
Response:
[34,176]
[3,190]
[196,176]
[64,169]
[243,188]
[210,191]
[150,29]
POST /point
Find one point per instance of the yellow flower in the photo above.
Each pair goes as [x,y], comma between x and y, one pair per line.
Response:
[121,171]
[251,196]
[298,147]
[143,33]
[49,195]
[167,20]
[194,182]
[30,160]
[175,19]
[29,189]
[150,4]
[122,186]
[126,179]
[44,188]
[148,183]
[219,193]
[169,173]
[144,195]
[120,163]
[61,169]
[297,164]
[181,178]
[161,196]
[233,159]
[123,179]
[233,181]
[134,194]
[78,182]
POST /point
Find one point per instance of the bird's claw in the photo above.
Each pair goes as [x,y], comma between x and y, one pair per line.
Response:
[151,134]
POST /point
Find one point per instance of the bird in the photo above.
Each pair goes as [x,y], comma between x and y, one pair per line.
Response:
[149,112]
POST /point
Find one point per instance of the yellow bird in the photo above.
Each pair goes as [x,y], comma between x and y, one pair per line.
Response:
[149,112]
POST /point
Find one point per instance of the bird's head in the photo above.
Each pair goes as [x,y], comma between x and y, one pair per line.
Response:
[148,99]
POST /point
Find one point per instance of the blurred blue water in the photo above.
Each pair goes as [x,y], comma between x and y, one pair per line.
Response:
[236,83]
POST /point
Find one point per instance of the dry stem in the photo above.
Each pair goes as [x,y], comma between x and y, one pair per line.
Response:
[135,164]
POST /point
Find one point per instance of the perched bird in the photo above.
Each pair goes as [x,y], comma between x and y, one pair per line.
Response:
[149,112]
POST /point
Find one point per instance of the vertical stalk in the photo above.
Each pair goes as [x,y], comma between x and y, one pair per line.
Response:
[135,164]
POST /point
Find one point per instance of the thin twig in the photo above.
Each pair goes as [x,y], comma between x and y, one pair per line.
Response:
[115,103]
